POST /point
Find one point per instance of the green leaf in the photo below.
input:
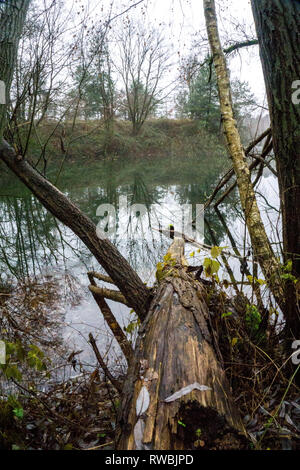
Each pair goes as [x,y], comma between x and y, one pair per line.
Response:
[226,314]
[211,266]
[132,326]
[68,447]
[159,272]
[12,372]
[288,266]
[19,413]
[181,424]
[253,318]
[216,251]
[15,447]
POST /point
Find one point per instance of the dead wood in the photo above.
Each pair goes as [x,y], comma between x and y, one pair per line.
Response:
[177,348]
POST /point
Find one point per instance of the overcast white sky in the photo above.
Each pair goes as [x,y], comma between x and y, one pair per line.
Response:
[183,19]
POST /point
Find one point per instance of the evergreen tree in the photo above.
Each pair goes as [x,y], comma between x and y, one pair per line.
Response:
[201,101]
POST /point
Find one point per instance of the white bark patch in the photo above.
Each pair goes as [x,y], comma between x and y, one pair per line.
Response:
[185,390]
[138,434]
[143,401]
[2,93]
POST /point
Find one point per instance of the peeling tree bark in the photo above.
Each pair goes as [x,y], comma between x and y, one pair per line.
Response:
[260,242]
[176,348]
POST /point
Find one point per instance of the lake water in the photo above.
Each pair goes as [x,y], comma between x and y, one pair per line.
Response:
[34,244]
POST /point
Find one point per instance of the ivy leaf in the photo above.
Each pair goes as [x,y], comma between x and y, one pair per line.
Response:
[289,266]
[68,446]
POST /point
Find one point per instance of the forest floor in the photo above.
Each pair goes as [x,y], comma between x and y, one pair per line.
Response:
[37,411]
[80,413]
[47,399]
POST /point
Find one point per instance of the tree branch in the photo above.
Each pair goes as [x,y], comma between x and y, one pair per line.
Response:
[124,277]
[102,364]
[112,322]
[110,294]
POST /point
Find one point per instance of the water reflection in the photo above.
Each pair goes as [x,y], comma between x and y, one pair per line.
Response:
[33,242]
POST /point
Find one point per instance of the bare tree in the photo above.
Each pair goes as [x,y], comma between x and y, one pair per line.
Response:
[40,80]
[144,62]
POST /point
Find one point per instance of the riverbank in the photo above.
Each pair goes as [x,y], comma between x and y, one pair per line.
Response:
[90,139]
[164,151]
[159,138]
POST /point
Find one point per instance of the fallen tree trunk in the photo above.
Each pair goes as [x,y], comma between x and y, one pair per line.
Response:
[176,395]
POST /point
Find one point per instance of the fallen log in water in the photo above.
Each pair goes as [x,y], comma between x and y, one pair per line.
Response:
[176,395]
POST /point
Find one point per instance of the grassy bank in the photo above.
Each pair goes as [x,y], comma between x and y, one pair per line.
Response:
[164,150]
[158,138]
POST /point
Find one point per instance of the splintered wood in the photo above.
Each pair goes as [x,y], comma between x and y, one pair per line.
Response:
[177,366]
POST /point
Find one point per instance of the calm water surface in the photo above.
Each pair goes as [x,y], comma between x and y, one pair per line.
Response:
[35,244]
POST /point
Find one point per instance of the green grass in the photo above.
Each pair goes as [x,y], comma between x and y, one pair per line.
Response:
[165,150]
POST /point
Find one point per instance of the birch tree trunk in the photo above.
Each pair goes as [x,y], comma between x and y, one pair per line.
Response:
[261,245]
